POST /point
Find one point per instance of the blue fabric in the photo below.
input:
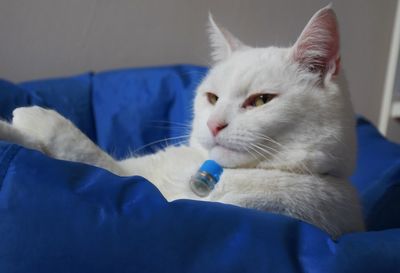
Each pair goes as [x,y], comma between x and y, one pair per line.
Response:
[58,216]
[377,177]
[135,107]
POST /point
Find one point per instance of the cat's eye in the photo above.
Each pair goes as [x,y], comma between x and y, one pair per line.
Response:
[257,100]
[212,98]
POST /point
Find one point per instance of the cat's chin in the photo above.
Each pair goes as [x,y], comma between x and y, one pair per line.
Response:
[229,158]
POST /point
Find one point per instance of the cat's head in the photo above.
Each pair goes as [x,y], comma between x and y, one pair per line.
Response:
[275,106]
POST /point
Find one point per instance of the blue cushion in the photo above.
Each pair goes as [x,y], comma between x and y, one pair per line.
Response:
[147,106]
[377,177]
[375,156]
[58,216]
[71,97]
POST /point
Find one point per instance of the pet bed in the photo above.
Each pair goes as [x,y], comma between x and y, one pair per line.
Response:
[58,216]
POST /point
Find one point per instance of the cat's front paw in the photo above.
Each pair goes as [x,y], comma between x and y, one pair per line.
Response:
[38,123]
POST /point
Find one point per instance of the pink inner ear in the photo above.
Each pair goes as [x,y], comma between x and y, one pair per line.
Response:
[318,45]
[337,66]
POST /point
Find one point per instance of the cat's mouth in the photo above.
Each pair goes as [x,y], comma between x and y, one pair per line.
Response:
[224,146]
[228,156]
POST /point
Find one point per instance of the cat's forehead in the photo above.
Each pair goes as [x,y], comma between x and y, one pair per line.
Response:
[252,70]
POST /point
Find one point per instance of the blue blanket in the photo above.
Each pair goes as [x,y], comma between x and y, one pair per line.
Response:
[58,216]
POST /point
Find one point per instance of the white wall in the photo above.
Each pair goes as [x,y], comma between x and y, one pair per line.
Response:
[46,38]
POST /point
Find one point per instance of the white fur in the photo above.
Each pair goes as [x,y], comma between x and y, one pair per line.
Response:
[292,155]
[222,41]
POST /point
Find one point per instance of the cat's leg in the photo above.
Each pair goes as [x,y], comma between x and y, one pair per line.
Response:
[327,202]
[60,138]
[11,134]
[169,170]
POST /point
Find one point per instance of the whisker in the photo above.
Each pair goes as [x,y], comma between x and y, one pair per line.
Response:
[268,147]
[265,137]
[168,127]
[270,139]
[302,167]
[166,122]
[274,156]
[249,152]
[255,150]
[161,140]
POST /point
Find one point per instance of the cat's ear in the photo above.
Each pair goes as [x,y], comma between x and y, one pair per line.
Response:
[317,48]
[222,42]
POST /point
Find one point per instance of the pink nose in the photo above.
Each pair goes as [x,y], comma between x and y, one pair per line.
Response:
[216,127]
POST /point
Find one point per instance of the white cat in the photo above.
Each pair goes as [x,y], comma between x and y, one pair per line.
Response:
[273,117]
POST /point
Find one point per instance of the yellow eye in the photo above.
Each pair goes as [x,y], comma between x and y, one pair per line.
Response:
[212,98]
[257,100]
